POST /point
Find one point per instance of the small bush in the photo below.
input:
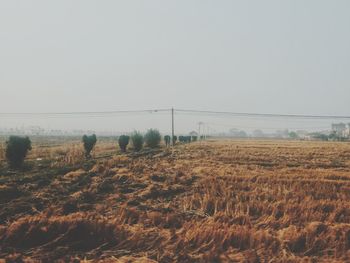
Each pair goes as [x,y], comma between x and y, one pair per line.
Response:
[174,139]
[137,141]
[89,143]
[152,138]
[167,140]
[185,139]
[188,139]
[16,150]
[123,142]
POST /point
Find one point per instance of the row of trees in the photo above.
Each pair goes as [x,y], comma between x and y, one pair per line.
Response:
[333,136]
[151,139]
[18,147]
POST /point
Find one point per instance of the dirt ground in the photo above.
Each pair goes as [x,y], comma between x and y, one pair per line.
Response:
[214,201]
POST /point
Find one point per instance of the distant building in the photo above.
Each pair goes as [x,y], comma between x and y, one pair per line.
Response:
[193,133]
[340,129]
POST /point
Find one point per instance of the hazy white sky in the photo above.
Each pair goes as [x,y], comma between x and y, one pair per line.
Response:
[247,56]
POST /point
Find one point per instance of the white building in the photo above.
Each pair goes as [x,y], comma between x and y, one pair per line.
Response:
[340,129]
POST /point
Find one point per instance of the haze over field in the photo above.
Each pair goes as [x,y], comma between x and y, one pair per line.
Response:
[174,131]
[245,56]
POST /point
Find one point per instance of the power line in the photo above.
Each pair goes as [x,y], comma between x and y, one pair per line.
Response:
[88,114]
[262,115]
[239,126]
[176,111]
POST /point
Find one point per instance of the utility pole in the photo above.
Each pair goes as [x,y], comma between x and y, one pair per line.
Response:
[199,130]
[172,126]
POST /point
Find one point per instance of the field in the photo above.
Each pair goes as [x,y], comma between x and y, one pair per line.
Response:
[213,201]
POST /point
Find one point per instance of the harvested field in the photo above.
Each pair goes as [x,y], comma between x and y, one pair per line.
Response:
[214,201]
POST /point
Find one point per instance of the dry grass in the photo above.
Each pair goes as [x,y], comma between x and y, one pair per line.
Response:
[224,201]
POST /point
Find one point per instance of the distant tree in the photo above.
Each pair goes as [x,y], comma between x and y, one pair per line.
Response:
[194,138]
[89,143]
[258,134]
[152,138]
[333,136]
[233,132]
[293,135]
[242,134]
[167,140]
[323,137]
[137,141]
[123,142]
[16,150]
[282,133]
[320,136]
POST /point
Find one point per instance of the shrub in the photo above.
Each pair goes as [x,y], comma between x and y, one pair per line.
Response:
[185,139]
[293,135]
[137,141]
[152,138]
[17,149]
[167,140]
[123,142]
[174,139]
[194,138]
[89,143]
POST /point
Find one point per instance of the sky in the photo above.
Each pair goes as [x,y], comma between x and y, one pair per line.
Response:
[272,56]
